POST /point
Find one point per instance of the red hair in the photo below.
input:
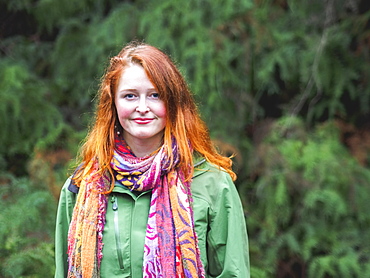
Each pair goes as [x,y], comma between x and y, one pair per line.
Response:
[183,121]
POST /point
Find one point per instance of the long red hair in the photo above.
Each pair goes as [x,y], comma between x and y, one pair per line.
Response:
[183,121]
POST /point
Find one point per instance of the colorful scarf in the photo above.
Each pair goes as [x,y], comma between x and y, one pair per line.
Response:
[85,234]
[171,248]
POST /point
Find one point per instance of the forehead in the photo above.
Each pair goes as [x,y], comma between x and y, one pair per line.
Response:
[134,76]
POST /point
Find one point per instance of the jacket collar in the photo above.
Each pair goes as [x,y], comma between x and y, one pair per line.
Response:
[200,166]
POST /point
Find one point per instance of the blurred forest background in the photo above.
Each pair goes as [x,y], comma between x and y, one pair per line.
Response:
[283,84]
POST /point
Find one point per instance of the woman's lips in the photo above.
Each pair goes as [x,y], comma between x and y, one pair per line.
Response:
[142,121]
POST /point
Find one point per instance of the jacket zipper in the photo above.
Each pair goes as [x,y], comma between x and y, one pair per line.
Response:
[116,230]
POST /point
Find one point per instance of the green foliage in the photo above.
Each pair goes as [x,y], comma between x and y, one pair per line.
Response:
[26,228]
[26,116]
[245,61]
[306,58]
[309,201]
[302,52]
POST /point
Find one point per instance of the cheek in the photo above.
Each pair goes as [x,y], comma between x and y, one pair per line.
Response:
[161,110]
[123,111]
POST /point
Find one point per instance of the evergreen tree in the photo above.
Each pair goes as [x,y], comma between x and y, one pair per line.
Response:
[269,76]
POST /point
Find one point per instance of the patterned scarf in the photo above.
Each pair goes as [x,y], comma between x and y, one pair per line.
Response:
[171,248]
[87,224]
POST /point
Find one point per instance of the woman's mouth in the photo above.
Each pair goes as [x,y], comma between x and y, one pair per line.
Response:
[142,121]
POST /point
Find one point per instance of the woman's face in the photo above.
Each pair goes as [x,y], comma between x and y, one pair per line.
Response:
[141,113]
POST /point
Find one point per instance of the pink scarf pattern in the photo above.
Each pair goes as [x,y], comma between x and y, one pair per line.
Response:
[171,247]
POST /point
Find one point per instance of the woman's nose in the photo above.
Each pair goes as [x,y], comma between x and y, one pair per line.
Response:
[142,106]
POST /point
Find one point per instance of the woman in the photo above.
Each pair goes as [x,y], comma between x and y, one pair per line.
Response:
[151,197]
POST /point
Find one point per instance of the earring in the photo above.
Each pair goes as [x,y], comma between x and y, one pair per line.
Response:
[117,131]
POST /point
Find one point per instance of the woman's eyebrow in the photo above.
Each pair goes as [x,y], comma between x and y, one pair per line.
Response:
[127,90]
[135,90]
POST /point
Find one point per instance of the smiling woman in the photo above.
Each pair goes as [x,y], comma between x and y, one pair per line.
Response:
[151,197]
[141,112]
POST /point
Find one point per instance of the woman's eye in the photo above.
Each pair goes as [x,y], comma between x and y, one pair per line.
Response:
[129,96]
[155,95]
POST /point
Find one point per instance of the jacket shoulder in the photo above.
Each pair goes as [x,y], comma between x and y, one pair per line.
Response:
[210,183]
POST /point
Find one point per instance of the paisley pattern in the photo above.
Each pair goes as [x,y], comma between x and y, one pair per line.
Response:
[171,248]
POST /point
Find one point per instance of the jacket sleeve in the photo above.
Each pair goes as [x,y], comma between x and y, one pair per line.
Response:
[64,213]
[227,240]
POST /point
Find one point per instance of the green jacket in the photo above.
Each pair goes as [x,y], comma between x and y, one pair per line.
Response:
[219,224]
